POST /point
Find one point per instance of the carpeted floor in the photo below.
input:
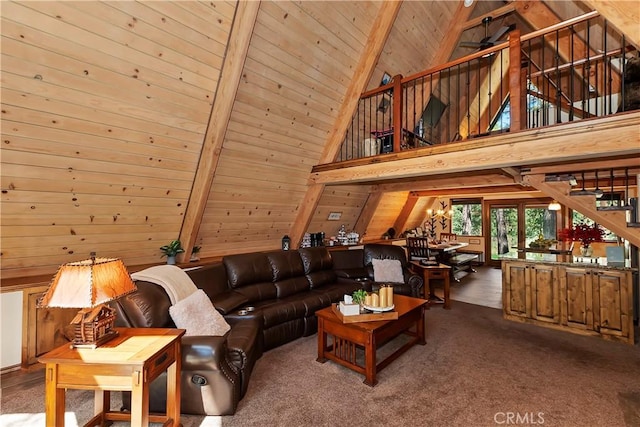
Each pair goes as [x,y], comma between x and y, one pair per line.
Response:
[476,370]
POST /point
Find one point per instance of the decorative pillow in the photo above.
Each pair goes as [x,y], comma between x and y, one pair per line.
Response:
[198,316]
[387,270]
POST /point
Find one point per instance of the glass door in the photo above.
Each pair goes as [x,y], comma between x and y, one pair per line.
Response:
[503,229]
[514,225]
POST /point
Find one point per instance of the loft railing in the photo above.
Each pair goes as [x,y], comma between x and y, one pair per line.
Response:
[570,71]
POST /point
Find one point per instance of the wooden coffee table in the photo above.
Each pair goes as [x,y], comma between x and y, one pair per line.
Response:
[347,337]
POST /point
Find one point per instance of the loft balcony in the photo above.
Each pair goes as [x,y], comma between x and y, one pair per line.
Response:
[581,69]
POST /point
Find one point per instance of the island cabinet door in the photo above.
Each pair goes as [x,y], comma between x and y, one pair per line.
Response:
[577,298]
[545,293]
[516,298]
[612,303]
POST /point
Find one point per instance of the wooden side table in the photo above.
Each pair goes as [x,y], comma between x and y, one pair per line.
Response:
[440,271]
[129,362]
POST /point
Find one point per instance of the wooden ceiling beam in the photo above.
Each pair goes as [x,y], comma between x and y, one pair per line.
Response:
[515,173]
[494,14]
[378,34]
[405,213]
[624,15]
[454,182]
[586,166]
[513,188]
[367,212]
[585,140]
[237,47]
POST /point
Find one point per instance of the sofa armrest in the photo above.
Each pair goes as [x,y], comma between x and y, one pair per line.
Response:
[227,302]
[246,340]
[203,353]
[415,281]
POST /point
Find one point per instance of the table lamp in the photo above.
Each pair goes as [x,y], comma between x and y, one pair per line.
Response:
[88,285]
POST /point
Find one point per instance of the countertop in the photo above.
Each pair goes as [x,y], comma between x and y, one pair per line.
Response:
[584,262]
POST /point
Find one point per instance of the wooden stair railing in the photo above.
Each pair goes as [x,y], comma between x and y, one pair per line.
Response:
[614,220]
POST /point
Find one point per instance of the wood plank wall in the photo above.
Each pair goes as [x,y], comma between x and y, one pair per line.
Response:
[105,106]
[298,67]
[104,110]
[346,199]
[385,216]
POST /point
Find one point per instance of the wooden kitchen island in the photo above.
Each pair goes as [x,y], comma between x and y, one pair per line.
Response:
[588,299]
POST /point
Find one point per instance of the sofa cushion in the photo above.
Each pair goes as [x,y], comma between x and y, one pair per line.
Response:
[336,291]
[387,270]
[315,259]
[318,266]
[318,279]
[280,311]
[258,292]
[291,286]
[246,269]
[285,264]
[197,315]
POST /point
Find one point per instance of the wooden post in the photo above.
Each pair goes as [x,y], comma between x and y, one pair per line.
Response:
[403,217]
[397,112]
[516,87]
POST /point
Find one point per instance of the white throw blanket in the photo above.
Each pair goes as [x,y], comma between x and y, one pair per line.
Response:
[175,282]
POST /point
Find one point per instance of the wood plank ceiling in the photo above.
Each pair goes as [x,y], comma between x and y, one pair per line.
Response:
[109,108]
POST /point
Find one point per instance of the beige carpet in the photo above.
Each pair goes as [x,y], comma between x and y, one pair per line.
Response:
[476,370]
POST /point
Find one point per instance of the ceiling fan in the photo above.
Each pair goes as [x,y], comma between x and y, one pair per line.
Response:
[489,41]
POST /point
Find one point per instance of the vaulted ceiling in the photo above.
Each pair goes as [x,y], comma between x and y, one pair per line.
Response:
[128,124]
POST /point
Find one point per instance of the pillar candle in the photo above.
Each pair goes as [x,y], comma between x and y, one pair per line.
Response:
[389,295]
[367,300]
[383,296]
[375,300]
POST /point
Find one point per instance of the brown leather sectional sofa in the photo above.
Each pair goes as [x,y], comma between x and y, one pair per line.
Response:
[284,290]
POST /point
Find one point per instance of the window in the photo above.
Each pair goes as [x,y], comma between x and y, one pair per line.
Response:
[466,219]
[502,119]
[578,218]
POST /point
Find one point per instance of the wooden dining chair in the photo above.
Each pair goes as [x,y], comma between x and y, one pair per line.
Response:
[448,236]
[418,249]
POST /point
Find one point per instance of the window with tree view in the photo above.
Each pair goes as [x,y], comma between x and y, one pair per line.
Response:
[467,217]
[578,218]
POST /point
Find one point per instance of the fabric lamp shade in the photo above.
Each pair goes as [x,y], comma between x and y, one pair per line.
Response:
[88,283]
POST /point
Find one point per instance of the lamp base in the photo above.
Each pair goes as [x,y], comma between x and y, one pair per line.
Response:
[93,326]
[97,343]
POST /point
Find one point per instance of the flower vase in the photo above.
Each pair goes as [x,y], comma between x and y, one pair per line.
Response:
[586,250]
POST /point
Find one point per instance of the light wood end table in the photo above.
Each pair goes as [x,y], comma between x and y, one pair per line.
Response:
[128,362]
[440,271]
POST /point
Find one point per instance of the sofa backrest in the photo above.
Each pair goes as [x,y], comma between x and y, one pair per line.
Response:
[382,251]
[318,266]
[212,279]
[345,259]
[148,307]
[288,273]
[251,275]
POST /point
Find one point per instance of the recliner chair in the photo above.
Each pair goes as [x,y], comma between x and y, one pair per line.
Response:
[215,369]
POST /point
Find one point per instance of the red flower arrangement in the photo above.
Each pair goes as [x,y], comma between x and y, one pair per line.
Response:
[584,233]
